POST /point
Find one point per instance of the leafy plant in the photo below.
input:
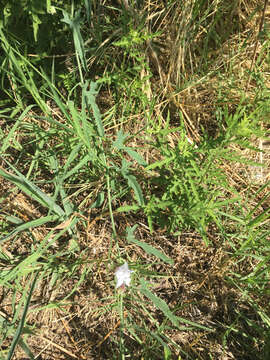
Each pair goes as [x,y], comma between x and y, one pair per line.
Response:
[82,163]
[188,185]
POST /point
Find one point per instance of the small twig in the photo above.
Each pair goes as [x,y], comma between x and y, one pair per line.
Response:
[59,347]
[111,331]
[68,332]
[51,56]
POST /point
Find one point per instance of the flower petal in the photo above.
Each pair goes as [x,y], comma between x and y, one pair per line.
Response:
[122,275]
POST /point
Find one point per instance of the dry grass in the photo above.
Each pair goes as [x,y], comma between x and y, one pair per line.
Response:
[85,325]
[78,328]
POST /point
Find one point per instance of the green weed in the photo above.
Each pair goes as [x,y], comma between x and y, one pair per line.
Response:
[138,148]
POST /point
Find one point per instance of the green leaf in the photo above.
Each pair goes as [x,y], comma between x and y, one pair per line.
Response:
[36,22]
[161,163]
[7,140]
[120,139]
[99,200]
[132,182]
[76,121]
[29,225]
[137,157]
[259,219]
[128,208]
[90,98]
[19,331]
[76,168]
[67,204]
[77,37]
[146,247]
[32,190]
[87,4]
[60,102]
[119,145]
[163,306]
[159,303]
[26,349]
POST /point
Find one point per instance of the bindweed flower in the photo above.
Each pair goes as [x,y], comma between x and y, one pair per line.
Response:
[122,275]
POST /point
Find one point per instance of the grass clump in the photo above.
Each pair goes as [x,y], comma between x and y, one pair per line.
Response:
[145,142]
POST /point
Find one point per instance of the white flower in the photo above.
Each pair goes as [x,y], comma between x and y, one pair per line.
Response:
[122,275]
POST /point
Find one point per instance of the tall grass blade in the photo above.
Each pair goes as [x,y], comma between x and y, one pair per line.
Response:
[32,190]
[26,349]
[77,37]
[87,4]
[259,219]
[30,225]
[27,82]
[21,324]
[59,100]
[8,138]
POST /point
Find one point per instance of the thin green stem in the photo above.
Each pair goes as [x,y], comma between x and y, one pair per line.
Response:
[111,214]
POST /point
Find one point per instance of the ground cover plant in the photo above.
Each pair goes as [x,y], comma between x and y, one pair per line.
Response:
[134,180]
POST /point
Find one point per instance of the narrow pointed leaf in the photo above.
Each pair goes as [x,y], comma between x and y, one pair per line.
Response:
[147,248]
[30,225]
[32,190]
[163,306]
[90,96]
[19,331]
